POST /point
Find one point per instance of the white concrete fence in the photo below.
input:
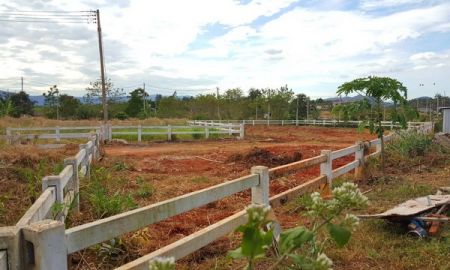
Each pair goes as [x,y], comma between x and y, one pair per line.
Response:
[35,243]
[312,122]
[25,245]
[107,132]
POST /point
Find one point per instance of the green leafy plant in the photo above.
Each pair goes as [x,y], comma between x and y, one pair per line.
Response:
[162,264]
[377,90]
[256,238]
[105,205]
[111,249]
[103,202]
[304,247]
[197,136]
[120,166]
[145,189]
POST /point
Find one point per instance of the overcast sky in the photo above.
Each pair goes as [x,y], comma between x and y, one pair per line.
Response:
[193,46]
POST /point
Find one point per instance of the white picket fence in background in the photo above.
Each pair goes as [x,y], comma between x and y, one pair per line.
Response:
[107,132]
[312,122]
[37,242]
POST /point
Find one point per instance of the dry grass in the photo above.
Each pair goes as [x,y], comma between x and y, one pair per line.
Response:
[22,167]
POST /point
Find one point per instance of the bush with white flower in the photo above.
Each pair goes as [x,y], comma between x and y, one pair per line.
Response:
[303,247]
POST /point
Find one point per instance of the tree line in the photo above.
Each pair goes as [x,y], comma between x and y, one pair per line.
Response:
[267,103]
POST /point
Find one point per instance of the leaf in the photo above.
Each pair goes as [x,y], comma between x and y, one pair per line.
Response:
[339,234]
[236,254]
[294,238]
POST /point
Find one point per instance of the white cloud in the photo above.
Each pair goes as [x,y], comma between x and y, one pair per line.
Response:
[306,48]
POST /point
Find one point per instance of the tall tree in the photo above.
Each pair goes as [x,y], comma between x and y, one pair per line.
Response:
[378,89]
[135,104]
[51,102]
[94,92]
[69,106]
[22,104]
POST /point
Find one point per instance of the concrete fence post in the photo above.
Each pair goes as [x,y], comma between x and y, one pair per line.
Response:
[326,168]
[241,131]
[58,134]
[85,161]
[253,122]
[378,146]
[206,132]
[359,156]
[45,245]
[10,248]
[282,122]
[169,132]
[110,133]
[230,130]
[75,181]
[54,181]
[8,136]
[260,193]
[392,125]
[139,133]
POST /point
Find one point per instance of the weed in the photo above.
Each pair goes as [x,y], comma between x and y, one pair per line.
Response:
[197,136]
[58,168]
[120,166]
[409,145]
[33,179]
[200,180]
[105,205]
[145,189]
[111,249]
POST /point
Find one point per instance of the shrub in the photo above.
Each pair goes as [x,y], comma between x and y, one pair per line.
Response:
[302,247]
[122,116]
[105,205]
[409,144]
[197,136]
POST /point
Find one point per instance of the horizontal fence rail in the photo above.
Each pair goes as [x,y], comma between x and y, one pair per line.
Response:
[41,232]
[108,132]
[313,122]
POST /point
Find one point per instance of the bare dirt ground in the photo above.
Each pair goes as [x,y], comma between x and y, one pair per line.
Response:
[177,168]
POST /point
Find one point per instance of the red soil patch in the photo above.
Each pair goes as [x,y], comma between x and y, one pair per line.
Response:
[178,168]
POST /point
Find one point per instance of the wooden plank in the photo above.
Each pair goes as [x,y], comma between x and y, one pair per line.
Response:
[344,152]
[89,234]
[190,243]
[294,193]
[40,208]
[155,133]
[288,168]
[345,169]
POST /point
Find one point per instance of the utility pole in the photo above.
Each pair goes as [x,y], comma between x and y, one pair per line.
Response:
[143,97]
[307,109]
[102,69]
[218,106]
[21,80]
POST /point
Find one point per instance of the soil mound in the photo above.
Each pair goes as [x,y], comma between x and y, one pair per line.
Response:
[260,156]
